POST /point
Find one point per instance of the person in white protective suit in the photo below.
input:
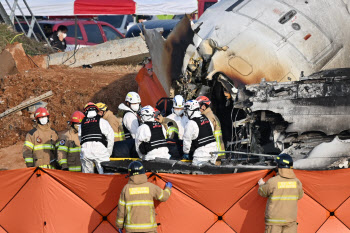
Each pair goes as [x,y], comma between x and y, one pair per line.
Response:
[150,139]
[198,137]
[96,138]
[178,114]
[130,120]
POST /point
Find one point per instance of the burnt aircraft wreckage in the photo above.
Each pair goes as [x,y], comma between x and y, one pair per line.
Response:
[276,72]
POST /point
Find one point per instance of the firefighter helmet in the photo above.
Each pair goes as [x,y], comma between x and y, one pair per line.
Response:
[203,100]
[77,117]
[147,113]
[136,168]
[178,102]
[90,106]
[284,161]
[133,98]
[41,112]
[102,106]
[192,105]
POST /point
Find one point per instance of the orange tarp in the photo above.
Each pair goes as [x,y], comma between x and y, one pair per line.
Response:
[35,200]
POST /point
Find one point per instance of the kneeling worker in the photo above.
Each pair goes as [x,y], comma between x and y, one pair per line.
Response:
[96,139]
[68,150]
[283,192]
[199,136]
[150,140]
[136,211]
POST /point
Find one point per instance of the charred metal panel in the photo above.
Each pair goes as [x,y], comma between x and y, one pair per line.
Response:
[317,103]
[167,55]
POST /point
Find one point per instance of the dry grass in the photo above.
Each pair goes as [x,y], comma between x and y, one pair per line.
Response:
[31,46]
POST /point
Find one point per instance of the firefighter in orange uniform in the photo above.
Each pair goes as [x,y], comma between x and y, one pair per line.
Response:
[68,145]
[283,191]
[136,208]
[39,146]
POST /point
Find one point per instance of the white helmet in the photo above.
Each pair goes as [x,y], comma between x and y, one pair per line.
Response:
[133,98]
[147,113]
[191,107]
[178,102]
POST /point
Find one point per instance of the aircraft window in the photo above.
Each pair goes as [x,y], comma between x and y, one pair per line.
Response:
[286,17]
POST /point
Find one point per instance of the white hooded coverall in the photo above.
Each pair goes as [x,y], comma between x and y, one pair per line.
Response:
[201,154]
[95,152]
[130,120]
[181,123]
[144,135]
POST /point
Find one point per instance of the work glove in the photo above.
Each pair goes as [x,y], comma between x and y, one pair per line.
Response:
[168,185]
[120,230]
[261,182]
[186,157]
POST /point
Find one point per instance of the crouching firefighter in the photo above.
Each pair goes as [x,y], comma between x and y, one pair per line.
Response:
[199,137]
[96,140]
[150,140]
[136,211]
[39,146]
[283,192]
[68,149]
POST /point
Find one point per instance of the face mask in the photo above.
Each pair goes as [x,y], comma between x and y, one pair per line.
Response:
[64,35]
[91,114]
[178,112]
[43,120]
[76,127]
[135,107]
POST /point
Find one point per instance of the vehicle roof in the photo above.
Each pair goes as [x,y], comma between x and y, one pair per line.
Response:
[60,21]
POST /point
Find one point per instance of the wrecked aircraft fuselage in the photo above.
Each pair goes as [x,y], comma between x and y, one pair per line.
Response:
[299,118]
[237,44]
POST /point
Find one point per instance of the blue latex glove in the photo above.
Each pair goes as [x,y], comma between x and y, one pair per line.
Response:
[186,157]
[168,185]
[120,230]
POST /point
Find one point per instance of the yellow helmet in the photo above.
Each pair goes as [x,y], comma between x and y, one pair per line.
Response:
[102,106]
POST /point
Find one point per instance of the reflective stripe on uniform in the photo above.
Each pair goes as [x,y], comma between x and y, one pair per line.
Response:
[29,160]
[171,130]
[74,149]
[284,198]
[63,148]
[217,134]
[29,144]
[161,195]
[121,202]
[62,161]
[167,190]
[47,166]
[262,190]
[275,220]
[74,168]
[120,220]
[44,147]
[119,135]
[139,203]
[140,226]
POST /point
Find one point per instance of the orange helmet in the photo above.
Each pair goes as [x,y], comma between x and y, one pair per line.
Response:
[77,117]
[203,100]
[89,106]
[41,112]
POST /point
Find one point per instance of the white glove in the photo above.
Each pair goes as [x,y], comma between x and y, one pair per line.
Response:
[261,182]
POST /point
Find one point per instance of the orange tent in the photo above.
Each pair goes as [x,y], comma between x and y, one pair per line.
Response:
[36,200]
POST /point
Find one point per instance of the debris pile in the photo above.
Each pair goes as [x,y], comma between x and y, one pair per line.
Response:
[72,89]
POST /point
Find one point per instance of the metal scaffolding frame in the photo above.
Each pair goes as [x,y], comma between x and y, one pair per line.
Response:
[32,22]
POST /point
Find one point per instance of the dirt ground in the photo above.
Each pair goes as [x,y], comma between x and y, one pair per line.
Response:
[72,88]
